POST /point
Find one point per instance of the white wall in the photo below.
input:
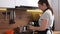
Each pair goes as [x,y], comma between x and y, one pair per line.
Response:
[56,7]
[13,3]
[59,15]
[27,3]
[7,3]
[49,2]
[55,4]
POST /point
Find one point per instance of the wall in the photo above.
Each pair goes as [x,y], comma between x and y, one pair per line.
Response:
[26,3]
[55,4]
[59,15]
[56,7]
[13,3]
[7,3]
[22,19]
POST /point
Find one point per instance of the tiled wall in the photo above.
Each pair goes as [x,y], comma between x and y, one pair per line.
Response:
[22,19]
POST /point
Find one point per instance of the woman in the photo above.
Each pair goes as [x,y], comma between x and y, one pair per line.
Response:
[46,20]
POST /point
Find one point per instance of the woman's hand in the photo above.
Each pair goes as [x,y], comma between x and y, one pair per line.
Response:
[31,27]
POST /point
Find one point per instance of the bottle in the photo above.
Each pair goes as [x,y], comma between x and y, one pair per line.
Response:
[21,29]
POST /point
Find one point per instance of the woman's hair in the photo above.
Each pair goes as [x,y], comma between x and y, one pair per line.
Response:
[47,4]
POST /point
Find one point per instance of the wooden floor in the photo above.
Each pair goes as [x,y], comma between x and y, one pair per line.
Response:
[56,32]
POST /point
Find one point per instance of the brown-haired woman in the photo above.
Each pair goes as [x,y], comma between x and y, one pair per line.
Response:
[46,20]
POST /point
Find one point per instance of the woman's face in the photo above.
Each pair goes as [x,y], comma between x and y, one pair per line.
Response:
[40,6]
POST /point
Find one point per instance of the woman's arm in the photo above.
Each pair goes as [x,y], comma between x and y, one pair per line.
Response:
[42,27]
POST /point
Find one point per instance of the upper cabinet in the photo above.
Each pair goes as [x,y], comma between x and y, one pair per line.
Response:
[33,3]
[7,3]
[13,3]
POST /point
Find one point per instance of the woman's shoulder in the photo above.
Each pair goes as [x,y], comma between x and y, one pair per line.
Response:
[48,12]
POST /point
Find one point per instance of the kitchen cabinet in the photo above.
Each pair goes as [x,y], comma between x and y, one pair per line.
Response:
[7,3]
[13,3]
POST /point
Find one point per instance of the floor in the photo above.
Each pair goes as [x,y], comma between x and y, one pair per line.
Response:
[56,32]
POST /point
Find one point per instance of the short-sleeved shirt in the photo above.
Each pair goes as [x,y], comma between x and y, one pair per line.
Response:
[48,16]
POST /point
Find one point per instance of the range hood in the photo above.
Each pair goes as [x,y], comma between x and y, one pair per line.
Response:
[26,7]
